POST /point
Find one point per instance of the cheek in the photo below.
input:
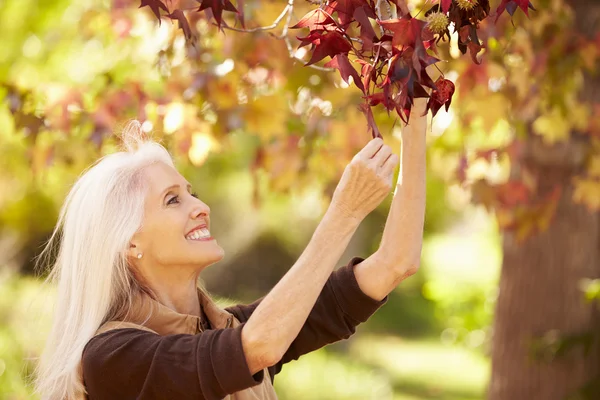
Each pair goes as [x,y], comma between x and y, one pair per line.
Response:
[162,237]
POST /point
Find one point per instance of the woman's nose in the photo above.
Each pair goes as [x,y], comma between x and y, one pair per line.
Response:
[201,210]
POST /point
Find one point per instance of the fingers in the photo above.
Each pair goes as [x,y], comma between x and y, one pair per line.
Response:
[383,154]
[370,149]
[388,167]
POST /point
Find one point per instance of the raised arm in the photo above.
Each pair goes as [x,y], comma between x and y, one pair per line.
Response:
[277,320]
[399,254]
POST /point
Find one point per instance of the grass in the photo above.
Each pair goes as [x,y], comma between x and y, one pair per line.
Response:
[386,368]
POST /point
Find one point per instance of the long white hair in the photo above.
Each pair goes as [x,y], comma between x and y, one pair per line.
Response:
[88,253]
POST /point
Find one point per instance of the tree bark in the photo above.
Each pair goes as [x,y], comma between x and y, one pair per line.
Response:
[540,279]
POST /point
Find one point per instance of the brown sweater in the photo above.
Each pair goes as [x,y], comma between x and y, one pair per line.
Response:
[162,364]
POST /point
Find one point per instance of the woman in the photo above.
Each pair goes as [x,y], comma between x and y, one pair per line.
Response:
[132,239]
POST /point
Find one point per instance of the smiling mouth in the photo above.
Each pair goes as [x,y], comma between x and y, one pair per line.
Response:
[201,234]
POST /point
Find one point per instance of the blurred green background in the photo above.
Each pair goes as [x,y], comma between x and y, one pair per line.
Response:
[264,140]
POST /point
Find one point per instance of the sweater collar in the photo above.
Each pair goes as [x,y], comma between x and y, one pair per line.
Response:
[165,321]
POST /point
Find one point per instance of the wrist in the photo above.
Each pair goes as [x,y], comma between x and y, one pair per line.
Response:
[341,214]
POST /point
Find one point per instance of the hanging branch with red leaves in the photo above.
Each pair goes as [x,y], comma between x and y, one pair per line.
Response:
[390,68]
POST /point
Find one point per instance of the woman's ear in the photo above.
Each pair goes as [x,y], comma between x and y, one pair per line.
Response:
[134,252]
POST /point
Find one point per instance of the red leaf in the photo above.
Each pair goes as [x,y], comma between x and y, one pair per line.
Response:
[240,14]
[341,62]
[314,20]
[513,193]
[366,71]
[511,6]
[401,6]
[155,6]
[367,34]
[183,24]
[441,96]
[407,31]
[376,99]
[314,37]
[346,8]
[366,109]
[217,7]
[329,44]
[464,33]
[445,5]
[474,49]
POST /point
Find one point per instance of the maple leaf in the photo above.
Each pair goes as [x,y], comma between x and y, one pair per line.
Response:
[183,24]
[366,71]
[342,63]
[367,34]
[326,44]
[440,96]
[346,8]
[155,6]
[468,40]
[407,30]
[217,7]
[511,6]
[366,109]
[513,193]
[474,49]
[445,4]
[314,20]
[401,6]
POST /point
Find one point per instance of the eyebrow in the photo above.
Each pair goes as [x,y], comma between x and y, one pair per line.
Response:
[176,186]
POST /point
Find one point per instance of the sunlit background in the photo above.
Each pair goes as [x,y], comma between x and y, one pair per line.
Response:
[264,140]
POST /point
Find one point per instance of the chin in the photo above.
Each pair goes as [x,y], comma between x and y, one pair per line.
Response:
[213,258]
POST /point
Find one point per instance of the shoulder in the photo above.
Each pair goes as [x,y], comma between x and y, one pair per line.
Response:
[116,361]
[117,334]
[116,346]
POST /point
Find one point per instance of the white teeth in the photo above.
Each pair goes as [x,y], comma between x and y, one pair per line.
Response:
[199,234]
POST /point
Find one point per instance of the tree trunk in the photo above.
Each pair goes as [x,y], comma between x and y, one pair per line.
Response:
[540,280]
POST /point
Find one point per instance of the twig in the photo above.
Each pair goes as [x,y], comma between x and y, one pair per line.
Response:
[288,9]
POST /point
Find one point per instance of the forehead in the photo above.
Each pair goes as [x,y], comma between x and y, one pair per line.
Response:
[160,176]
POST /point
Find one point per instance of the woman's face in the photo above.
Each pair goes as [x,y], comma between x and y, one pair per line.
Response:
[175,230]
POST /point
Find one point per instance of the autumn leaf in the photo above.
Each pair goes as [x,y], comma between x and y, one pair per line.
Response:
[342,63]
[513,193]
[366,109]
[367,34]
[183,24]
[217,7]
[155,6]
[366,71]
[326,44]
[474,49]
[587,191]
[441,96]
[553,126]
[407,31]
[445,4]
[314,20]
[511,6]
[346,10]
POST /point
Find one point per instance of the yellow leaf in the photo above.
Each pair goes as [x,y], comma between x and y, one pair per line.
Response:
[579,115]
[223,91]
[266,116]
[587,191]
[594,166]
[553,127]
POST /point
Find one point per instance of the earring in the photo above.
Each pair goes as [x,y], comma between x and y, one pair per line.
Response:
[139,255]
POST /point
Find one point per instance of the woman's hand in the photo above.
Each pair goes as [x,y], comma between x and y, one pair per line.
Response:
[366,181]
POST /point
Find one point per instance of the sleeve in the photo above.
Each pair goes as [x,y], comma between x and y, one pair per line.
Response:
[135,364]
[340,307]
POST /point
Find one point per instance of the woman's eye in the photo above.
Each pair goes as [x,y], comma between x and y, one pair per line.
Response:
[195,195]
[173,200]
